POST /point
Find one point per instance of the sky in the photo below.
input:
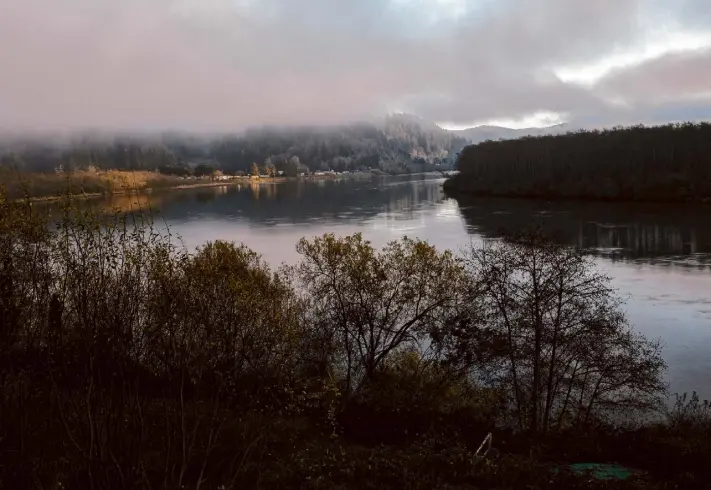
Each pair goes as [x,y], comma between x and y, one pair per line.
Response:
[224,65]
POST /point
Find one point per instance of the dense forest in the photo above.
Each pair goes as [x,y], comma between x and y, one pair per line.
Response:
[127,362]
[400,144]
[662,163]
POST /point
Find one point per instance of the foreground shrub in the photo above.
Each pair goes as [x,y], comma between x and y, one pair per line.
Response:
[128,362]
[371,304]
[411,397]
[549,331]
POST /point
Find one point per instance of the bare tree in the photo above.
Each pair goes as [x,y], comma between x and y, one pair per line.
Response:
[373,303]
[558,340]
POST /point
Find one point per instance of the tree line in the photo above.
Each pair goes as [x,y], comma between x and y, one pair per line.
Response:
[127,361]
[401,144]
[661,163]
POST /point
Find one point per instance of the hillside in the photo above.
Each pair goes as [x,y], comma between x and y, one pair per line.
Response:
[479,134]
[400,143]
[661,163]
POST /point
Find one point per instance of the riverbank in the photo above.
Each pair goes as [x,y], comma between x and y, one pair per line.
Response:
[459,185]
[135,360]
[92,195]
[44,187]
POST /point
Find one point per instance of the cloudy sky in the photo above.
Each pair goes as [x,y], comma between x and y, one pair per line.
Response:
[226,64]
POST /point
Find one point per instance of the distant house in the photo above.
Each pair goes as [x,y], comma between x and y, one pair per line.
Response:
[280,172]
[319,173]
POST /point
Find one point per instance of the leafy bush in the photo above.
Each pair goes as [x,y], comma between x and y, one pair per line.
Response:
[127,362]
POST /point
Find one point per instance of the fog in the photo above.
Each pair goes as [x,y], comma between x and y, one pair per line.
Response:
[224,65]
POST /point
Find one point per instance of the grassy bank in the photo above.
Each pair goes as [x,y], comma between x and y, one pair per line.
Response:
[94,183]
[128,362]
[48,186]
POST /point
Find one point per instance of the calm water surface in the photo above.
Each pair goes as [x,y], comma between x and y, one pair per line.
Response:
[658,255]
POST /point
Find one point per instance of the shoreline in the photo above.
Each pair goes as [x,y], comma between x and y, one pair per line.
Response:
[454,191]
[148,190]
[196,185]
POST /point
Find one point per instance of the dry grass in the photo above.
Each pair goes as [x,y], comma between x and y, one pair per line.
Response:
[135,180]
[84,182]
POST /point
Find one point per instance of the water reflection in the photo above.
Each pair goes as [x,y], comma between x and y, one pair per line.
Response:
[655,233]
[302,202]
[639,245]
[649,233]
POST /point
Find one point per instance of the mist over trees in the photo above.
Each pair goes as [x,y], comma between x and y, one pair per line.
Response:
[402,143]
[662,163]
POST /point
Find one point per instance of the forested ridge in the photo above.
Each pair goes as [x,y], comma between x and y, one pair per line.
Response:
[401,143]
[660,163]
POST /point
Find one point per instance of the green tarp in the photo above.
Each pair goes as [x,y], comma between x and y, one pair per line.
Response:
[602,471]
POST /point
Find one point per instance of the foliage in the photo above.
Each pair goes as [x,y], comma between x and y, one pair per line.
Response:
[254,172]
[128,362]
[372,304]
[82,182]
[690,414]
[174,170]
[203,170]
[137,362]
[664,163]
[412,397]
[560,344]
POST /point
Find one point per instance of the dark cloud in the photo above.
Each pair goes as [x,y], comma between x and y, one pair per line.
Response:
[672,88]
[226,64]
[675,76]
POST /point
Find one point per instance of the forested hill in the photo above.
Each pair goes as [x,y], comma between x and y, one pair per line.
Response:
[661,163]
[401,143]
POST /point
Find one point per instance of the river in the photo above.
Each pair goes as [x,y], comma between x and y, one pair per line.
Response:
[658,255]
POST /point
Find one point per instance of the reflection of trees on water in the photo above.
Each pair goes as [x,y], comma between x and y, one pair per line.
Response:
[404,205]
[649,232]
[618,230]
[125,203]
[639,239]
[302,201]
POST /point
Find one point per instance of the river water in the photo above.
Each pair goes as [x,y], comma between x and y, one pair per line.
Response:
[658,255]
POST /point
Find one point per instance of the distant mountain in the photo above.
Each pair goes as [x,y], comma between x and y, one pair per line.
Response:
[396,144]
[483,133]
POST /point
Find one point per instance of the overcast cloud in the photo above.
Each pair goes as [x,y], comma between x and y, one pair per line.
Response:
[228,64]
